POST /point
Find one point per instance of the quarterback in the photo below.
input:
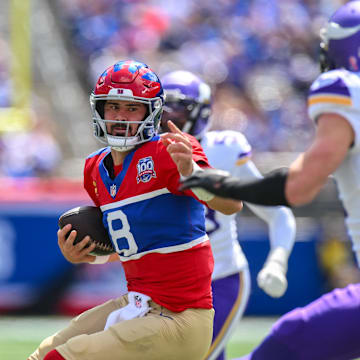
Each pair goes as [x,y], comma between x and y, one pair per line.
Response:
[158,231]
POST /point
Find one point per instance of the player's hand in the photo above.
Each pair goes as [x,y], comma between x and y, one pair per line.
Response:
[272,277]
[78,253]
[211,180]
[179,147]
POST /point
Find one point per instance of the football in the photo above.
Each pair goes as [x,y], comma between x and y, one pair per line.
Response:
[88,220]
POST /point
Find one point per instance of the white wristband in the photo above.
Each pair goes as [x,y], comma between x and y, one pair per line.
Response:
[202,194]
[100,259]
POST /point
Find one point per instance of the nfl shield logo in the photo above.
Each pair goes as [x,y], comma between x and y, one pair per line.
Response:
[138,301]
[113,190]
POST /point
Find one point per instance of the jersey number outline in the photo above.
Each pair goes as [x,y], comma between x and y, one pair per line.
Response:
[211,222]
[122,233]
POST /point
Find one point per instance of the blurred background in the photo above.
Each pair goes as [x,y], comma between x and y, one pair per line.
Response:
[259,57]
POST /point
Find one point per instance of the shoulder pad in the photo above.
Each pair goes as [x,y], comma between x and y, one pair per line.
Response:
[234,139]
[99,152]
[333,87]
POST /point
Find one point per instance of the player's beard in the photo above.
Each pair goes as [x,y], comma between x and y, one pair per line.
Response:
[120,130]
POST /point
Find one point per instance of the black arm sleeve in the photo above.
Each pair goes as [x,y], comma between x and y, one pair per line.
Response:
[269,190]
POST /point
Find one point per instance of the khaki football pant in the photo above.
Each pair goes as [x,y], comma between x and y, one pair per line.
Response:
[160,335]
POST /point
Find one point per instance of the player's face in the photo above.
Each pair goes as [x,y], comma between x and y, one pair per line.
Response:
[121,111]
[175,112]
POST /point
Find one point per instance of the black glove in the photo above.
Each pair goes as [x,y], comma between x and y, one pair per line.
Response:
[212,180]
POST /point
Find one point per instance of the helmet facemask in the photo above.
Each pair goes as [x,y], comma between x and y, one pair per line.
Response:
[326,64]
[146,129]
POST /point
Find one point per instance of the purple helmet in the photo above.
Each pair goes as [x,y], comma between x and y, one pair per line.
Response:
[341,39]
[187,103]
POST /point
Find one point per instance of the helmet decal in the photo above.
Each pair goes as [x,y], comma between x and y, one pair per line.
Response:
[133,66]
[340,39]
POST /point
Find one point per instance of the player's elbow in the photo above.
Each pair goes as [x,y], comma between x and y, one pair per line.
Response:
[298,196]
[234,208]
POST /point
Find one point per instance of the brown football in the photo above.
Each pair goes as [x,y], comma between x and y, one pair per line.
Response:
[88,220]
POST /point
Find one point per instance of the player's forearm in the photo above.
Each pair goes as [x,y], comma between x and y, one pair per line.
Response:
[280,220]
[300,192]
[225,206]
[309,172]
[268,191]
[282,229]
[114,257]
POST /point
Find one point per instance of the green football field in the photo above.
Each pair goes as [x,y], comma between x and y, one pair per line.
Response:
[19,336]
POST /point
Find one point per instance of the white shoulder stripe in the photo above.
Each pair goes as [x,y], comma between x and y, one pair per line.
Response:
[168,249]
[135,199]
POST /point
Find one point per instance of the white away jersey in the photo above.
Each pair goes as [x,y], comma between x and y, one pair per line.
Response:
[230,151]
[338,91]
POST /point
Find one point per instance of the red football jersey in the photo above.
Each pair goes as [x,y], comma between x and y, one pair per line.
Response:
[157,230]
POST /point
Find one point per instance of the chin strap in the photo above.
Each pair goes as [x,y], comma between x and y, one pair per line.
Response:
[123,148]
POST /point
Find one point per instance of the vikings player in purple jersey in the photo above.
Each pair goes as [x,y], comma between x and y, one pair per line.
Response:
[329,327]
[188,105]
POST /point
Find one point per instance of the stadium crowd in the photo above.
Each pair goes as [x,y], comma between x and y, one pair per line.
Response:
[260,55]
[262,60]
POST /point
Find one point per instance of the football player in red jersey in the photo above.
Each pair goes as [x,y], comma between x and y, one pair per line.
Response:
[158,231]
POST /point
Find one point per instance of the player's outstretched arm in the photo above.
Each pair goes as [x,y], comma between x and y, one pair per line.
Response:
[290,187]
[266,191]
[180,149]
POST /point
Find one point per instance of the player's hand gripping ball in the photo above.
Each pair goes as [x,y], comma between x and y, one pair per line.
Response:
[88,220]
